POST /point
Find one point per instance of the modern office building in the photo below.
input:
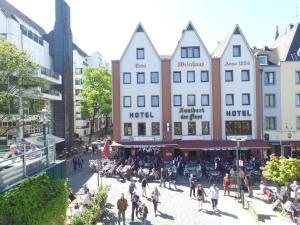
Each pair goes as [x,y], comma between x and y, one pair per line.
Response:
[190,101]
[28,35]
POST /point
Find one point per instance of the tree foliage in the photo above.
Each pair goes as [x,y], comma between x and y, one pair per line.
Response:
[282,170]
[35,201]
[17,75]
[95,97]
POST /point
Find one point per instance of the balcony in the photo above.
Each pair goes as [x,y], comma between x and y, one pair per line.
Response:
[51,94]
[49,75]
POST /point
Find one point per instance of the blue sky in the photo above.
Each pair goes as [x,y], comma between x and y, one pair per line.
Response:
[107,25]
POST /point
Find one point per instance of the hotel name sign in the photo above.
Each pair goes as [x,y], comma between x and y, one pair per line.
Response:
[190,64]
[140,65]
[240,63]
[141,115]
[235,113]
[191,113]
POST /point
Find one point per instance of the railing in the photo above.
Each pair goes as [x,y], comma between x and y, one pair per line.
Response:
[49,73]
[50,91]
[144,138]
[14,168]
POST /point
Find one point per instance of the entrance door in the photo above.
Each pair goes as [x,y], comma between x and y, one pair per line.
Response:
[177,152]
[193,156]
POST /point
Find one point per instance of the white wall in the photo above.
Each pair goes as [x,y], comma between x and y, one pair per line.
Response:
[152,64]
[185,88]
[237,87]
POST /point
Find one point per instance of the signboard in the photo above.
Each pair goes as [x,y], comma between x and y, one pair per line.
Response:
[190,64]
[191,113]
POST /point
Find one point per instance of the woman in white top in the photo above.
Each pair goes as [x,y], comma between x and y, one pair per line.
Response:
[214,195]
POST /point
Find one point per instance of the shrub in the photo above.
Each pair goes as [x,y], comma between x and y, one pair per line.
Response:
[35,201]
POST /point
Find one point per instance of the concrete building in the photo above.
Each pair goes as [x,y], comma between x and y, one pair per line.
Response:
[28,35]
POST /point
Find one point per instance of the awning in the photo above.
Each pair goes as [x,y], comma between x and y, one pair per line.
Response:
[116,145]
[39,140]
[149,144]
[221,145]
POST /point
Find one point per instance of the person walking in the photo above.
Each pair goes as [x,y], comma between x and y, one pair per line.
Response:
[226,184]
[214,195]
[132,187]
[155,199]
[192,182]
[162,177]
[249,182]
[200,194]
[80,162]
[144,184]
[135,200]
[122,206]
[143,210]
[75,162]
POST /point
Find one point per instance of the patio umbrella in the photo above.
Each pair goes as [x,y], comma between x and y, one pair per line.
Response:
[105,152]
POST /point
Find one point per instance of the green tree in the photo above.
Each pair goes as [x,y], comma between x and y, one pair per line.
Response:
[95,97]
[17,75]
[282,170]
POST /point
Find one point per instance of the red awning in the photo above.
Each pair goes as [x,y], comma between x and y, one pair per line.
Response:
[221,145]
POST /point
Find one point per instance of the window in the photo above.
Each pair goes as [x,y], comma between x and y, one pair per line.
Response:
[238,127]
[269,100]
[177,128]
[140,54]
[140,77]
[245,99]
[192,128]
[263,60]
[154,101]
[126,101]
[228,75]
[204,76]
[297,77]
[190,76]
[191,100]
[155,128]
[177,100]
[177,77]
[78,70]
[236,51]
[141,129]
[141,101]
[190,52]
[205,100]
[229,99]
[270,123]
[127,129]
[78,81]
[298,122]
[245,75]
[297,99]
[205,128]
[269,78]
[77,91]
[154,77]
[126,78]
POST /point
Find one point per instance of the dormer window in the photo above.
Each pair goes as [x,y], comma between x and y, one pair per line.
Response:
[263,60]
[236,51]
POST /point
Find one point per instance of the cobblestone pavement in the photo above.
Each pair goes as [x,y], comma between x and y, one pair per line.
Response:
[176,207]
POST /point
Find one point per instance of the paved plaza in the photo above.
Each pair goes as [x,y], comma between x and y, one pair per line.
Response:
[176,207]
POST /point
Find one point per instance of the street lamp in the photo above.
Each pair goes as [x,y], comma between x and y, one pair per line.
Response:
[238,141]
[44,117]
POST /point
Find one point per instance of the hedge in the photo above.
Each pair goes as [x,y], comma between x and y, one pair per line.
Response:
[95,209]
[37,200]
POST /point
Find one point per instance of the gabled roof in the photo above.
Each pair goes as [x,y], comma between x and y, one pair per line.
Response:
[190,27]
[288,44]
[270,52]
[220,49]
[138,29]
[80,51]
[12,12]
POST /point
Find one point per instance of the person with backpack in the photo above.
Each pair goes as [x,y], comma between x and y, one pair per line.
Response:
[249,182]
[144,184]
[143,210]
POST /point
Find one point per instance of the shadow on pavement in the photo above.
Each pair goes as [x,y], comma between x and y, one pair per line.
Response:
[219,213]
[109,218]
[165,216]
